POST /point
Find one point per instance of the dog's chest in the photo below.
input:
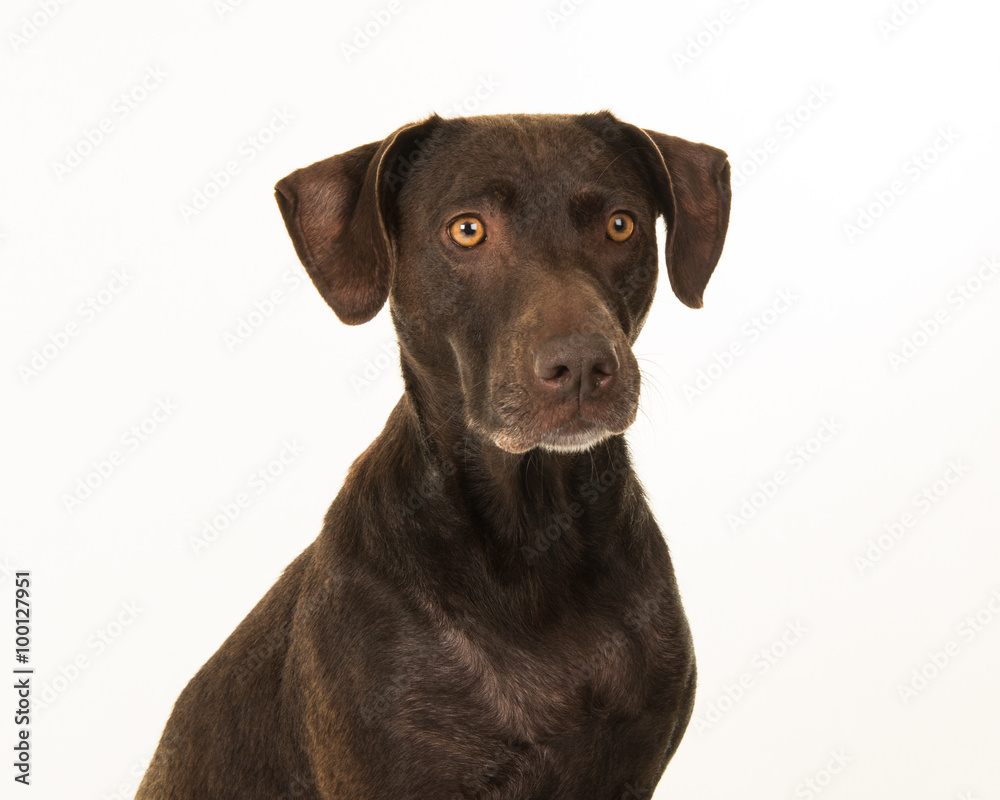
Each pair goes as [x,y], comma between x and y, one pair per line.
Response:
[536,684]
[523,709]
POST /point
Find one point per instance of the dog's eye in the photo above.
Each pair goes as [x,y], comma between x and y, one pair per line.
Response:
[620,227]
[467,231]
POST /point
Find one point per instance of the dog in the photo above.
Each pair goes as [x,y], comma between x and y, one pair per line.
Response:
[490,610]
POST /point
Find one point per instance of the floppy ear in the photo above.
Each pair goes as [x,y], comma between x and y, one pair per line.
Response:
[337,215]
[694,194]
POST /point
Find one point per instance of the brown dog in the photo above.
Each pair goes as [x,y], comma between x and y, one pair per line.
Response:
[490,610]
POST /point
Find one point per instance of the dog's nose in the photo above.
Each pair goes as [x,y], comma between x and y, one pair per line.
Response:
[579,364]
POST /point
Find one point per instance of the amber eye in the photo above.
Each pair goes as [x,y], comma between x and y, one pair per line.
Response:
[467,231]
[620,227]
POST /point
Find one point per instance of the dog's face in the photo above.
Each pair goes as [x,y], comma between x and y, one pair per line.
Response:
[527,260]
[519,257]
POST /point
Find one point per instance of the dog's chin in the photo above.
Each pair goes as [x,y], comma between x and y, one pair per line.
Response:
[576,436]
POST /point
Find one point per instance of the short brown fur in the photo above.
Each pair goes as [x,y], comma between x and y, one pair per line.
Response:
[490,610]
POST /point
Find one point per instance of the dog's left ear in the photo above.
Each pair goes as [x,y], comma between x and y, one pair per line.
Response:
[692,183]
[337,215]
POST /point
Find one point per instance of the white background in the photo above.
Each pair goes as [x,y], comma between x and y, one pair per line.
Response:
[908,113]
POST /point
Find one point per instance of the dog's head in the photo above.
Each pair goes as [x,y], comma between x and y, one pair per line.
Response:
[518,255]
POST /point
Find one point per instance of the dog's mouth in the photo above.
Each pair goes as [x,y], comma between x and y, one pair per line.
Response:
[575,436]
[566,429]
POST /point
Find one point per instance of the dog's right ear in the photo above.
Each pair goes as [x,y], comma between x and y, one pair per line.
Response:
[337,215]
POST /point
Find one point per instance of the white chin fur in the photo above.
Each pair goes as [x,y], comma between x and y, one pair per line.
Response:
[576,442]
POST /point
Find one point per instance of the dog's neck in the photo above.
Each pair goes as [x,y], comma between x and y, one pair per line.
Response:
[539,529]
[536,508]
